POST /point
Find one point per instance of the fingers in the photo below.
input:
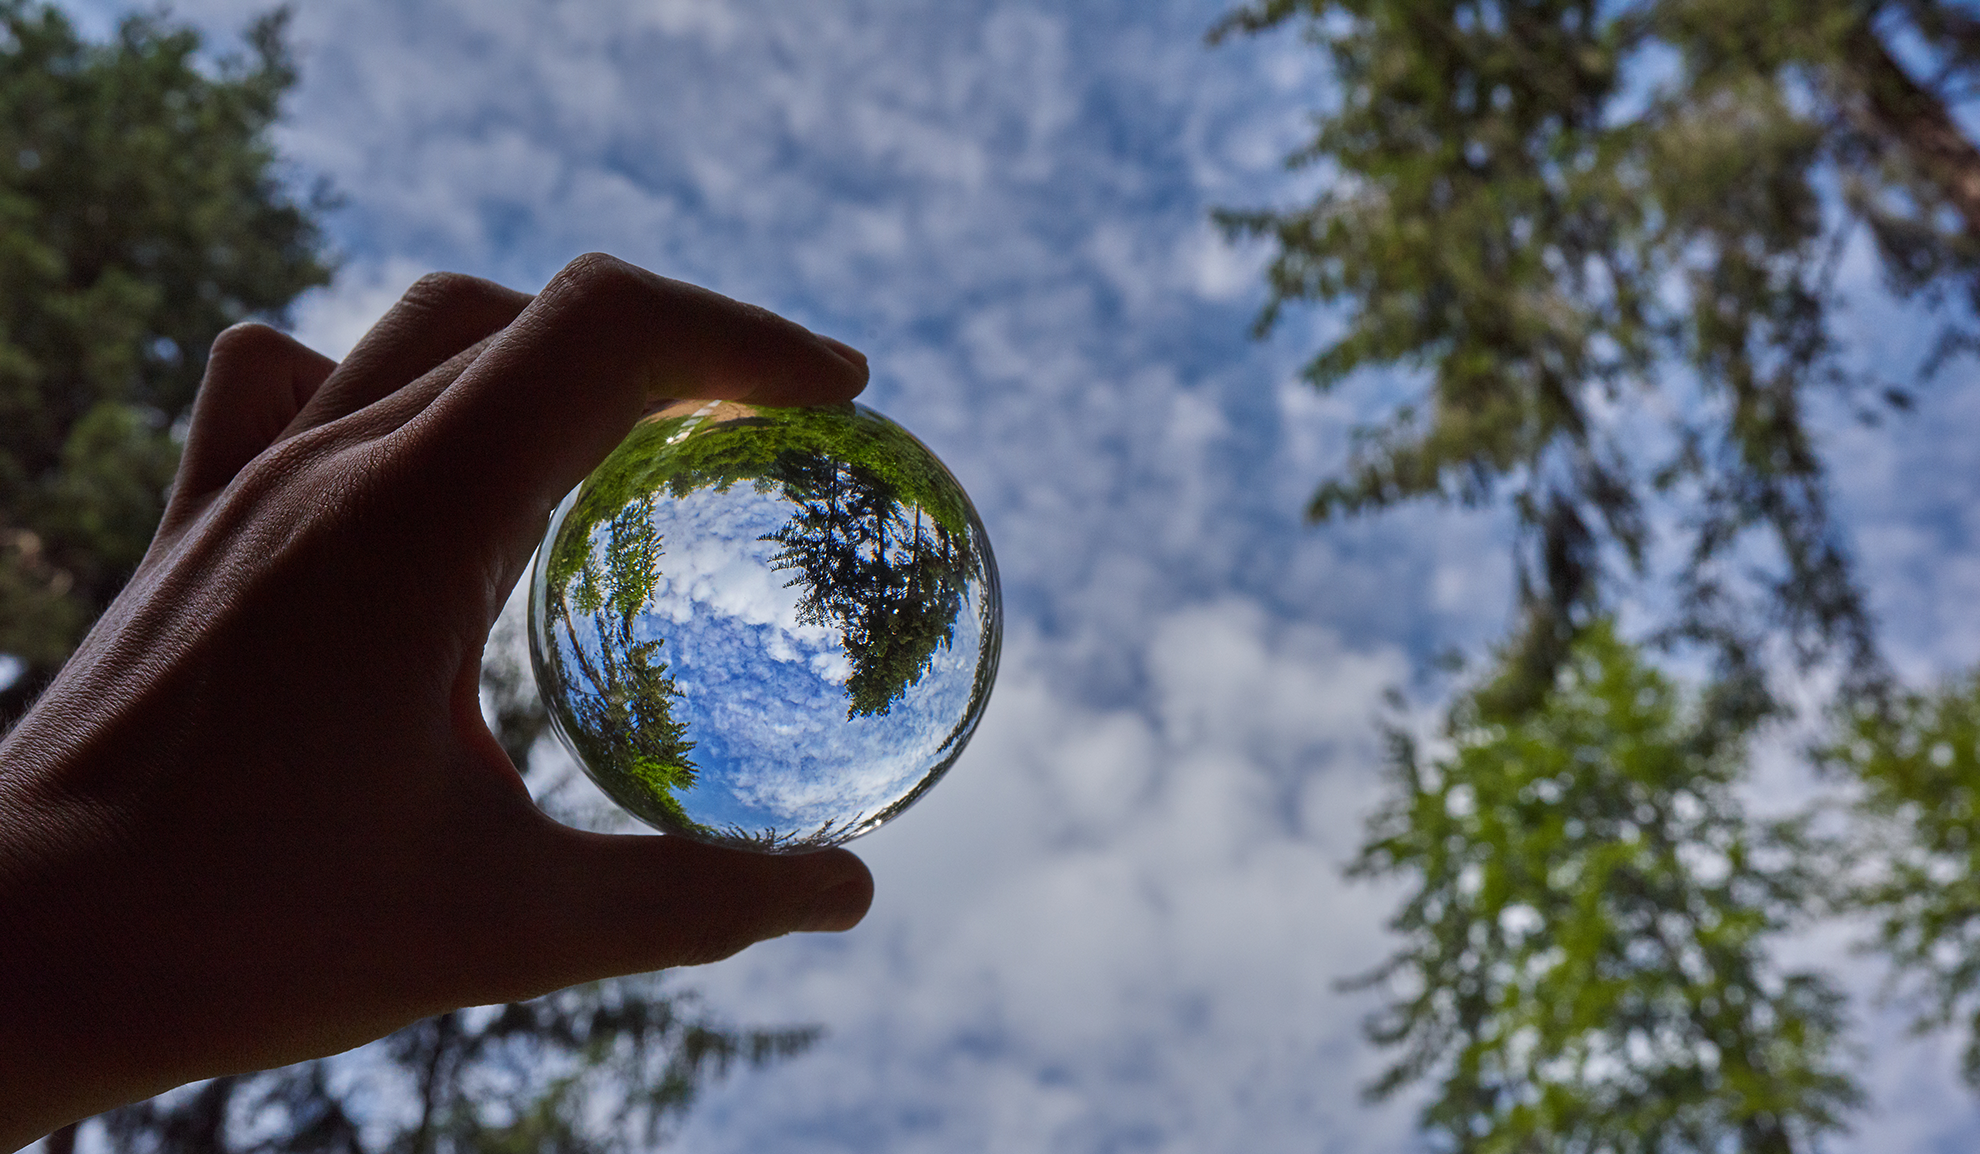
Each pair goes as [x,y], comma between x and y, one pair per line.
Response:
[560,387]
[257,379]
[604,905]
[439,317]
[261,385]
[386,414]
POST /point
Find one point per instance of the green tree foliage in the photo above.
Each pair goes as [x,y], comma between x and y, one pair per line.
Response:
[892,585]
[1584,963]
[1917,764]
[141,212]
[1598,235]
[679,450]
[619,706]
[879,536]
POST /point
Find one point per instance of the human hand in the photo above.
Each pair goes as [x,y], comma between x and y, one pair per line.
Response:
[258,817]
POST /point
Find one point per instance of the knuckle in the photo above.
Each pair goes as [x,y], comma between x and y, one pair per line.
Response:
[276,468]
[309,472]
[597,275]
[456,298]
[442,289]
[590,265]
[247,340]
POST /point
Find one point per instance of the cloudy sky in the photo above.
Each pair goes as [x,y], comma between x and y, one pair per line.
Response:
[1118,925]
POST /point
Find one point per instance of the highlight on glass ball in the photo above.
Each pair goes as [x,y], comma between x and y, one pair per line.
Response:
[766,628]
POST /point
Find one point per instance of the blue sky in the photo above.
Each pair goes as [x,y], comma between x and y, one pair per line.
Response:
[1118,925]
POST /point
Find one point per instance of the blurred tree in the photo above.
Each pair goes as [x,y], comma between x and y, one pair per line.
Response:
[142,210]
[1585,926]
[1601,242]
[1917,764]
[597,1068]
[1604,238]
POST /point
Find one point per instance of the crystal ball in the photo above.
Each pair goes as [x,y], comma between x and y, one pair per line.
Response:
[769,628]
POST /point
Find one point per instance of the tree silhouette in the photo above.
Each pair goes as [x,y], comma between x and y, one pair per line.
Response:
[594,1069]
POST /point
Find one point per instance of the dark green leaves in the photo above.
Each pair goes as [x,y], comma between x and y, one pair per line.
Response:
[619,703]
[878,535]
[889,577]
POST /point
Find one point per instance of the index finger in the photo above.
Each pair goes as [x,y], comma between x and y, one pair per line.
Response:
[565,381]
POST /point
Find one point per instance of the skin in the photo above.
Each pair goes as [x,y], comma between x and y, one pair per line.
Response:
[258,817]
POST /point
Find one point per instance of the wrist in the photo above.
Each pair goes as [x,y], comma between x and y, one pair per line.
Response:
[69,997]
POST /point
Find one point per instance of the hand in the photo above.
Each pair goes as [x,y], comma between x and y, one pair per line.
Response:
[258,817]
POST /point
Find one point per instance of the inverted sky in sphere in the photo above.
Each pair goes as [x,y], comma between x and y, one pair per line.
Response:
[769,628]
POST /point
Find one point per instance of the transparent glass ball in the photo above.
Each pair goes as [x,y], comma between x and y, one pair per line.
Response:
[766,628]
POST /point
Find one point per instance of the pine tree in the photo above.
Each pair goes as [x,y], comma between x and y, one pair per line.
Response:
[890,583]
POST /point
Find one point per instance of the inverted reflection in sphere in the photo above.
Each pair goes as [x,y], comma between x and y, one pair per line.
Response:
[766,628]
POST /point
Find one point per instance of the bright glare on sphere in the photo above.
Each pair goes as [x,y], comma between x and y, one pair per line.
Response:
[766,628]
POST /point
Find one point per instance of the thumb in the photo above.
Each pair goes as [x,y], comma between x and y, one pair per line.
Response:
[618,904]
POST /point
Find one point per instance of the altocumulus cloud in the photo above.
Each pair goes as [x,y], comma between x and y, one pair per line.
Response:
[1118,924]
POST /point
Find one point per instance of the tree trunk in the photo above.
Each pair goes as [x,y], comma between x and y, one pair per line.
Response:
[1894,108]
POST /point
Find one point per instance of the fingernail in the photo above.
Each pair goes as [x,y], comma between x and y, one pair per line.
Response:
[837,908]
[843,349]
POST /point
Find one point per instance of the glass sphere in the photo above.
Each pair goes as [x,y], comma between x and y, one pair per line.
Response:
[766,628]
